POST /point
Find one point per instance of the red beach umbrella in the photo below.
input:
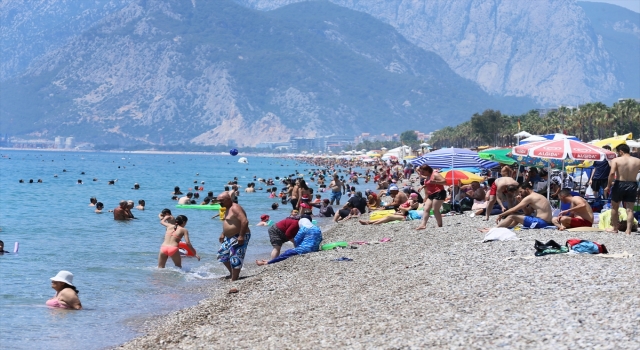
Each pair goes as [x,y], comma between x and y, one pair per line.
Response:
[563,149]
[454,177]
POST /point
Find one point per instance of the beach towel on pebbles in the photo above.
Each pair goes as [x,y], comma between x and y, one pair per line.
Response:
[500,234]
[583,246]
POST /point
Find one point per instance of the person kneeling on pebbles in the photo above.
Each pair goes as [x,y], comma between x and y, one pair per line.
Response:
[307,240]
[580,213]
[530,201]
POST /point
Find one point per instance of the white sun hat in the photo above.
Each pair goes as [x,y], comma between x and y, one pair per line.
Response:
[305,223]
[64,276]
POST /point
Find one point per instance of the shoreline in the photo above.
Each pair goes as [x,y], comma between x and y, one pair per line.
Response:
[434,288]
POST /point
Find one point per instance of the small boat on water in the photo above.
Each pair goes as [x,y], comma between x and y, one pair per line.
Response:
[243,160]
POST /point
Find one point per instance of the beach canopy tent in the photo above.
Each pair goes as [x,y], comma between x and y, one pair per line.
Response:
[633,144]
[613,142]
[500,155]
[454,177]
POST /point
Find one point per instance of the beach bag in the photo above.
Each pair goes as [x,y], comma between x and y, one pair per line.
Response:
[589,192]
[551,247]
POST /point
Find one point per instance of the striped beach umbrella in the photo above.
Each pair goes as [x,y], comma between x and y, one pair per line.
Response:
[454,158]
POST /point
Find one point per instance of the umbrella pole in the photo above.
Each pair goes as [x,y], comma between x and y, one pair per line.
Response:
[548,179]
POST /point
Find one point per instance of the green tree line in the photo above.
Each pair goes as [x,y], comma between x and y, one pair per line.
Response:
[587,122]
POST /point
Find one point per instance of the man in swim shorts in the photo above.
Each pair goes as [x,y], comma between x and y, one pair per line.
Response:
[338,188]
[530,201]
[580,213]
[235,236]
[624,170]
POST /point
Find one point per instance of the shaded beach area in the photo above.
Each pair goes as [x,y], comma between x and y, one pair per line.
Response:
[437,288]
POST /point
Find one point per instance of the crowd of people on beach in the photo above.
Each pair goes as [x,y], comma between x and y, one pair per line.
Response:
[390,191]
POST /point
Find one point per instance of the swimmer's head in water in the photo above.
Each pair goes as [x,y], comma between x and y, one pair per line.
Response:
[189,195]
[1,245]
[123,204]
[264,217]
[274,206]
[99,205]
[166,211]
[93,200]
[142,202]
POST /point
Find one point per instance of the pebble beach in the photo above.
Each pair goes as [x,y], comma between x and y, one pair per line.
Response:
[436,288]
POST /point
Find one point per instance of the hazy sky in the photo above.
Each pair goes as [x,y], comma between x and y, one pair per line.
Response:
[633,5]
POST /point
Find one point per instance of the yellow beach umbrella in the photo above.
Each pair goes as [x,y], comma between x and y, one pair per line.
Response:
[409,157]
[374,155]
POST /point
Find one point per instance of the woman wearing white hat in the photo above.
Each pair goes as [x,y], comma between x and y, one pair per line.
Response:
[66,293]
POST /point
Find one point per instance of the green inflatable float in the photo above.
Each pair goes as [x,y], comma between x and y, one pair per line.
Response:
[333,245]
[201,207]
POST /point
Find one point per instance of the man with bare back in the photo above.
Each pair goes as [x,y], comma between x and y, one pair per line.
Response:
[338,188]
[580,213]
[530,202]
[624,170]
[235,236]
[498,191]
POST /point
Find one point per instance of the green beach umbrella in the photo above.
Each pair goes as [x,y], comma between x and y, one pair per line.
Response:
[498,155]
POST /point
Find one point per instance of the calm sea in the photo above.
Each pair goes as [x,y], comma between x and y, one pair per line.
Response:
[114,263]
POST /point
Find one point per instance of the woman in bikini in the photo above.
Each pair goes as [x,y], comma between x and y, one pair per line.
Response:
[172,237]
[304,193]
[66,293]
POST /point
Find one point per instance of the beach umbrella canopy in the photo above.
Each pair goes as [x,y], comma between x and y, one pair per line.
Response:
[409,157]
[453,177]
[563,149]
[560,137]
[542,162]
[499,155]
[522,134]
[533,138]
[453,158]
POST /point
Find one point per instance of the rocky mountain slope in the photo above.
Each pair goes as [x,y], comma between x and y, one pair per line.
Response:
[544,49]
[619,31]
[29,29]
[180,71]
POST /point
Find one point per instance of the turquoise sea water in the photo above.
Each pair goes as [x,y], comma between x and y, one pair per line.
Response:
[114,263]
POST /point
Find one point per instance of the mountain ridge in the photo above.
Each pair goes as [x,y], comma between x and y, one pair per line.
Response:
[545,49]
[210,72]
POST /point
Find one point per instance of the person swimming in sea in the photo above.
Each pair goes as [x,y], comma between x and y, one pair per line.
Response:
[173,236]
[66,293]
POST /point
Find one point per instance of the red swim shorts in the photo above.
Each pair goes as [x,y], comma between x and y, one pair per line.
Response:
[580,222]
[493,190]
